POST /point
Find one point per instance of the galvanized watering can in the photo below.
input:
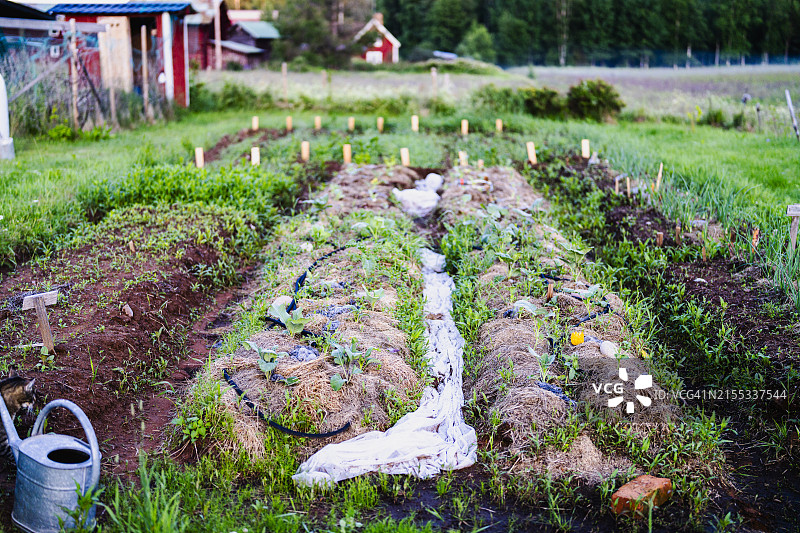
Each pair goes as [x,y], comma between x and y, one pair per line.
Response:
[48,466]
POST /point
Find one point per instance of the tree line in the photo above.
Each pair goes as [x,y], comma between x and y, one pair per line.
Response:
[598,32]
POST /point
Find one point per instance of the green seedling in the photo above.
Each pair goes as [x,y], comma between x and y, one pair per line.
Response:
[317,205]
[268,361]
[528,307]
[352,360]
[545,360]
[373,297]
[294,323]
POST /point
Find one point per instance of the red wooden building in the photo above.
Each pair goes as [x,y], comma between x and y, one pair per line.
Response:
[120,48]
[385,48]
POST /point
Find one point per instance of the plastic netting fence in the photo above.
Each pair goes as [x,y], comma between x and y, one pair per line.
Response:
[36,68]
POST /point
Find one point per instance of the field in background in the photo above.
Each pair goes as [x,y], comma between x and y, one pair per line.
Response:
[653,93]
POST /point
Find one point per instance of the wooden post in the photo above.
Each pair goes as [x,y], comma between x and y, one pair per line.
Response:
[317,123]
[324,75]
[347,153]
[585,151]
[40,302]
[703,253]
[658,177]
[498,125]
[434,83]
[462,158]
[405,158]
[616,184]
[380,124]
[254,123]
[794,212]
[678,232]
[464,127]
[73,46]
[285,81]
[255,156]
[531,152]
[660,239]
[199,159]
[351,123]
[791,112]
[145,81]
[414,123]
[217,36]
[549,295]
[305,151]
[289,123]
[628,185]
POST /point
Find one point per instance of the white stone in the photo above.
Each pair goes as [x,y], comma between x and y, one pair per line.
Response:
[609,349]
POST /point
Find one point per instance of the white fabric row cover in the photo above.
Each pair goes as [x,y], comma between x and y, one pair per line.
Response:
[428,440]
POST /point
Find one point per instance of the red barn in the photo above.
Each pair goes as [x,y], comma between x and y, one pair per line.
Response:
[120,46]
[385,48]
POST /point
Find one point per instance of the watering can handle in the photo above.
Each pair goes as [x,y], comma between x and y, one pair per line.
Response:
[87,429]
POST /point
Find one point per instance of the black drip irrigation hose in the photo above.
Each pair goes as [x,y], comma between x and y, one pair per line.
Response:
[298,284]
[249,403]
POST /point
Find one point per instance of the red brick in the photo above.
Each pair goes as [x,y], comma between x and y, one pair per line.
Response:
[641,489]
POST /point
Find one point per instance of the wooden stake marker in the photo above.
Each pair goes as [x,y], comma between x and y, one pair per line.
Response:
[628,185]
[756,234]
[380,124]
[658,177]
[414,123]
[660,239]
[255,156]
[39,302]
[498,125]
[347,153]
[405,158]
[289,123]
[678,233]
[585,150]
[317,123]
[616,184]
[351,123]
[794,212]
[703,254]
[254,124]
[465,127]
[305,151]
[549,295]
[462,159]
[531,152]
[199,159]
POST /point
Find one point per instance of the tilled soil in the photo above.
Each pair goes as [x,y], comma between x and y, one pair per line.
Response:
[129,327]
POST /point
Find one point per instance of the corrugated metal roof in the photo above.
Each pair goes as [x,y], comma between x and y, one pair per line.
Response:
[238,47]
[130,8]
[259,29]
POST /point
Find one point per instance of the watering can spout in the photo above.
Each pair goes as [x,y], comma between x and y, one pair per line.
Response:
[11,432]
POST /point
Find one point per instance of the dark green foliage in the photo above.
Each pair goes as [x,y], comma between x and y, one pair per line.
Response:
[477,44]
[544,102]
[499,99]
[236,96]
[713,117]
[594,99]
[234,66]
[255,189]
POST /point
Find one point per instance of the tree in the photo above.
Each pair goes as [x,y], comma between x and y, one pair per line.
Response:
[449,22]
[305,31]
[477,44]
